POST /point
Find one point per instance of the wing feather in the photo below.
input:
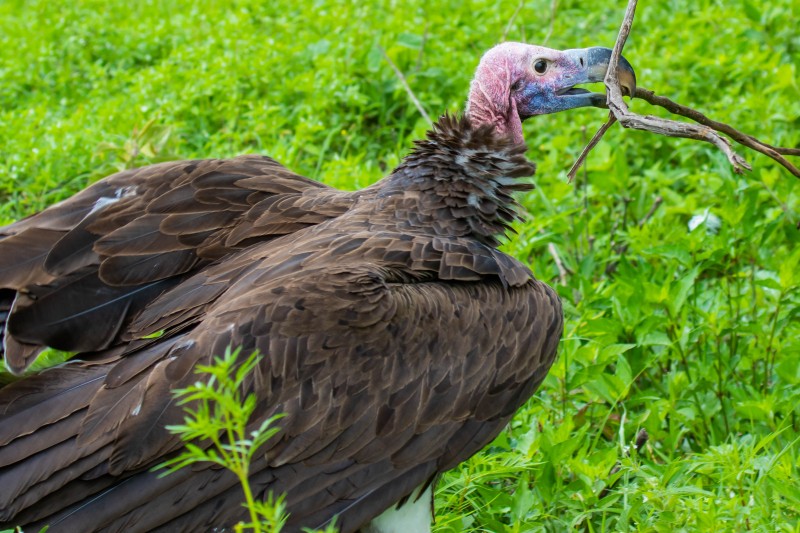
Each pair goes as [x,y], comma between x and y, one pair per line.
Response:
[92,262]
[360,315]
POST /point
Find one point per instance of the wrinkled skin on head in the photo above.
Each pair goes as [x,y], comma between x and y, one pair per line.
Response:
[515,81]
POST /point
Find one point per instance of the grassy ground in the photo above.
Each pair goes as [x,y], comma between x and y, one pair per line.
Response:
[693,336]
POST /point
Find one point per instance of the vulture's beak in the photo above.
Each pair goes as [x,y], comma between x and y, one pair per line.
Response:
[591,65]
[553,76]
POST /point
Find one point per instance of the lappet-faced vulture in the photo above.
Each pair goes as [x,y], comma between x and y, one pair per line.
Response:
[397,339]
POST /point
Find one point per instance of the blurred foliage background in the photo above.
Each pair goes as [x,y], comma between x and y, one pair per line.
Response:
[690,334]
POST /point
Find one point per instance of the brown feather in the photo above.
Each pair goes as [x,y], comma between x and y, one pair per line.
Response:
[131,229]
[396,338]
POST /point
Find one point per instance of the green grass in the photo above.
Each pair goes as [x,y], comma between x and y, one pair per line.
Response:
[693,336]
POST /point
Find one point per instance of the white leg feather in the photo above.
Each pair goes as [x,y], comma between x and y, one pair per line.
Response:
[414,516]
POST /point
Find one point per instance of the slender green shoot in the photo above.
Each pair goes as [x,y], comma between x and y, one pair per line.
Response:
[215,430]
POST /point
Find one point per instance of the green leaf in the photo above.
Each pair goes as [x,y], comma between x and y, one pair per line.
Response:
[787,273]
[769,283]
[613,350]
[374,59]
[789,368]
[751,11]
[656,338]
[623,369]
[672,251]
[410,40]
[681,289]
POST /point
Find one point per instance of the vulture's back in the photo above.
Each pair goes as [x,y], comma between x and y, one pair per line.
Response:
[396,338]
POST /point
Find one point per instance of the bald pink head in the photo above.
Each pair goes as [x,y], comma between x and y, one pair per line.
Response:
[515,81]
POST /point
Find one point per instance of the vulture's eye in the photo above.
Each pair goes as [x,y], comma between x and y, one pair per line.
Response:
[540,66]
[518,85]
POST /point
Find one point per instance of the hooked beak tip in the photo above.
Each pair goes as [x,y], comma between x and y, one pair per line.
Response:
[598,60]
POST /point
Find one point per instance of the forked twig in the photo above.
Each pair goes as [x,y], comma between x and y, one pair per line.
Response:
[774,152]
[706,129]
[663,126]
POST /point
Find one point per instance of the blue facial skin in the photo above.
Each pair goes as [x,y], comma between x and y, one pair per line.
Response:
[540,95]
[539,98]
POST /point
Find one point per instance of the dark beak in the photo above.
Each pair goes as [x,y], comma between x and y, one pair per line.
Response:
[590,65]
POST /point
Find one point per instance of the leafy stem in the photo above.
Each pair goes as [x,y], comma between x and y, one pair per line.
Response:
[215,429]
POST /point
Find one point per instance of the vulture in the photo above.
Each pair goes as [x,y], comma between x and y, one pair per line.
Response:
[396,338]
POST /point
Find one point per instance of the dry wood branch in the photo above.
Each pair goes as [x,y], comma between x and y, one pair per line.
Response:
[403,81]
[588,148]
[663,126]
[672,128]
[697,116]
[706,129]
[613,90]
[774,152]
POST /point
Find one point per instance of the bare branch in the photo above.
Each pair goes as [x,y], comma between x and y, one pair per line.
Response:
[613,90]
[706,129]
[663,126]
[697,116]
[406,86]
[672,128]
[774,152]
[588,148]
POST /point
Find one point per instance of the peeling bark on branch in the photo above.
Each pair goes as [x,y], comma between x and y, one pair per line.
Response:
[774,152]
[706,129]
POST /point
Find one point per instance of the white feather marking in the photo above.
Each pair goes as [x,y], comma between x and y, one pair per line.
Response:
[101,203]
[185,343]
[124,192]
[415,516]
[135,410]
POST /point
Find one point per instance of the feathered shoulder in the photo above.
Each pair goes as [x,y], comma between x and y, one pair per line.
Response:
[478,149]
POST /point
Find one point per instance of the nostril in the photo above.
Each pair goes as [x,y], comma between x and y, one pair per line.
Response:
[581,59]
